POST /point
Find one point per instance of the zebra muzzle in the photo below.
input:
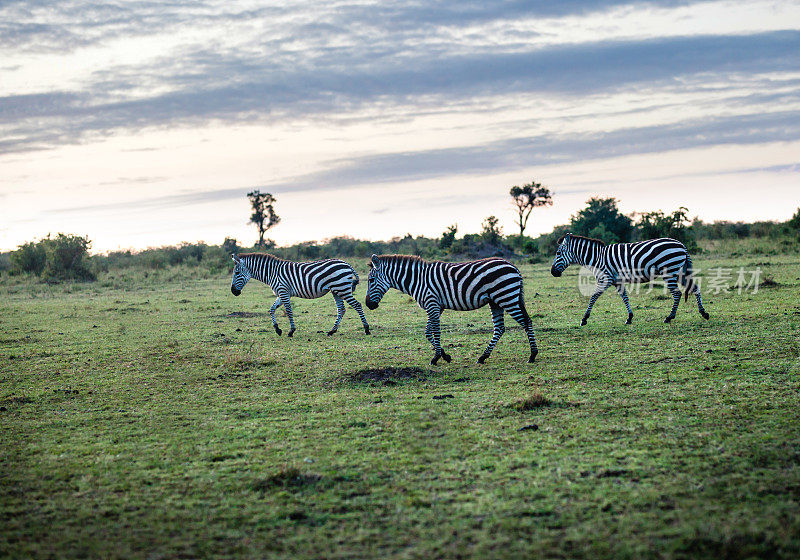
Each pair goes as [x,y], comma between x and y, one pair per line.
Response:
[555,272]
[235,292]
[371,304]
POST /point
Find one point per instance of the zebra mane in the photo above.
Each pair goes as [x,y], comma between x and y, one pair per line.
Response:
[403,258]
[266,256]
[591,239]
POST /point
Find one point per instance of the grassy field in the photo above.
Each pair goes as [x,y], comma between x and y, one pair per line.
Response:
[160,417]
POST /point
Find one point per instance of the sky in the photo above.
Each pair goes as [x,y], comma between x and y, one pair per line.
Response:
[142,124]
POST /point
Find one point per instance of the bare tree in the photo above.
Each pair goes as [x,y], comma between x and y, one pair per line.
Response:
[526,198]
[264,216]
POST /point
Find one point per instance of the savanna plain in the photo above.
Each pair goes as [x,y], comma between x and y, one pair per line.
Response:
[158,416]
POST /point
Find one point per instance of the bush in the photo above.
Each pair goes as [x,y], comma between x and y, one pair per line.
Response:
[29,257]
[602,219]
[67,258]
[5,261]
[548,242]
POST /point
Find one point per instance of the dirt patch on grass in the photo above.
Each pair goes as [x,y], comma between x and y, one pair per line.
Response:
[769,282]
[388,376]
[536,400]
[733,547]
[613,473]
[244,363]
[285,479]
[17,400]
[244,314]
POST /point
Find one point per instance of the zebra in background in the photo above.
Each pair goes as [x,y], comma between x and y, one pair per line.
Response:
[460,286]
[615,264]
[305,279]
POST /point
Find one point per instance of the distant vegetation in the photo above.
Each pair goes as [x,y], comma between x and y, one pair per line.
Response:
[63,257]
[66,257]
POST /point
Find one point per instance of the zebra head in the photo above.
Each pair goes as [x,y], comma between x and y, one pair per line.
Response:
[564,255]
[377,283]
[241,274]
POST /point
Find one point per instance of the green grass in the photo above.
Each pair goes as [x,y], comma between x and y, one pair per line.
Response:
[142,418]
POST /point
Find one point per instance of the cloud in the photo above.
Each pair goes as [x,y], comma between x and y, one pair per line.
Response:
[499,157]
[43,26]
[258,90]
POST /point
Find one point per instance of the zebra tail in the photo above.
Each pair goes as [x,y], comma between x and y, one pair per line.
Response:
[522,307]
[355,280]
[687,278]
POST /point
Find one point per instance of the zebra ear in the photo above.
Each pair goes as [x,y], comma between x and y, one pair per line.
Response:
[374,260]
[235,258]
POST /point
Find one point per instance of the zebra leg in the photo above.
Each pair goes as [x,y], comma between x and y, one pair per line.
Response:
[624,295]
[520,315]
[433,334]
[339,313]
[353,302]
[672,285]
[275,306]
[598,291]
[287,305]
[499,329]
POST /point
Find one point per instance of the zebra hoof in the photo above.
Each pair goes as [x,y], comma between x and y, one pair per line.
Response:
[705,315]
[482,358]
[630,319]
[290,333]
[366,330]
[533,357]
[446,357]
[584,321]
[331,333]
[434,360]
[668,318]
[277,330]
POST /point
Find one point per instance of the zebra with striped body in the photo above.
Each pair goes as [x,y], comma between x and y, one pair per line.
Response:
[307,280]
[460,286]
[615,264]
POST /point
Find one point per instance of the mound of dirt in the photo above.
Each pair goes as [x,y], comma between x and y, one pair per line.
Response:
[388,376]
[244,314]
[286,478]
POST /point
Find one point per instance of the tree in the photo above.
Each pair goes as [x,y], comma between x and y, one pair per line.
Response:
[448,237]
[491,231]
[676,225]
[230,245]
[794,223]
[264,215]
[602,219]
[526,198]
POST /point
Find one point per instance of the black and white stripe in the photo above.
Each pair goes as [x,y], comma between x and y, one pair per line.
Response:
[461,286]
[618,263]
[307,280]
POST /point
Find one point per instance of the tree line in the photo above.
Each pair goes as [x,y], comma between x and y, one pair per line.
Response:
[66,257]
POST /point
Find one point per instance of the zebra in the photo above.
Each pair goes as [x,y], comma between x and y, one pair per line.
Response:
[617,263]
[307,280]
[462,286]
